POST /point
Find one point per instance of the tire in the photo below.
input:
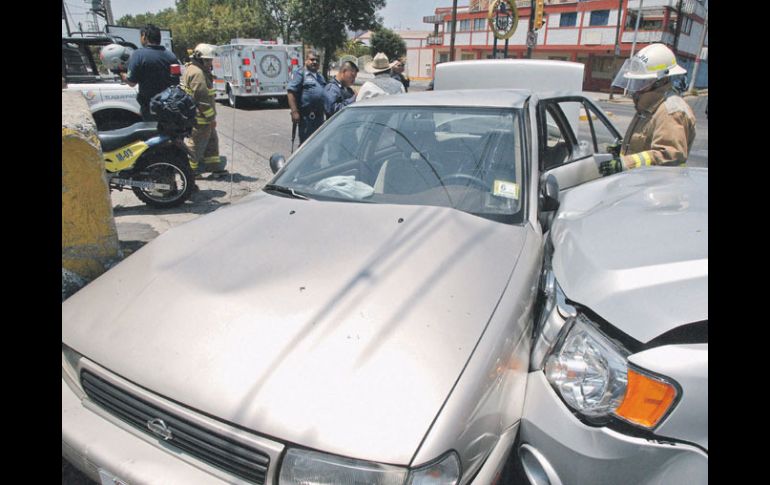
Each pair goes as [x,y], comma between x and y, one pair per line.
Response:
[232,99]
[169,166]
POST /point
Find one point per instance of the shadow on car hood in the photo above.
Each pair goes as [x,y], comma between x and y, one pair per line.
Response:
[634,248]
[338,326]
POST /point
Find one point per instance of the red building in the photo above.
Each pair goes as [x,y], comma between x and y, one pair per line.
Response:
[580,31]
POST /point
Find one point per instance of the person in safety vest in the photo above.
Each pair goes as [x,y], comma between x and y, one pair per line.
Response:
[663,128]
[305,94]
[203,142]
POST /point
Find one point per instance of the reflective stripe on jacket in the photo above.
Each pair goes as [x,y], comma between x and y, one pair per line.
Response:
[199,83]
[661,132]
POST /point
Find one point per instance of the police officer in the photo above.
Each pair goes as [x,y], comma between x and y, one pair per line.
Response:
[663,128]
[306,97]
[150,67]
[203,142]
[338,92]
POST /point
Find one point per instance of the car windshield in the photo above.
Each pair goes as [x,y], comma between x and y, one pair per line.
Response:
[470,159]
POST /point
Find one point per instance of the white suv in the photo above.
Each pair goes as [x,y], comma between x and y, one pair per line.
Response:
[112,102]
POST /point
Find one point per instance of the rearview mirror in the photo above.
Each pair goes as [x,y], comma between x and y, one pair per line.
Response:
[277,162]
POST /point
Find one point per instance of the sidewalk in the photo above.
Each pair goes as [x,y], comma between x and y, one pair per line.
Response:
[620,99]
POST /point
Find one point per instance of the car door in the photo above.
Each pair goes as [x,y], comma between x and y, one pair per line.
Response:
[575,136]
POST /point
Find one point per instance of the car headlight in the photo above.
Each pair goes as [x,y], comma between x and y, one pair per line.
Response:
[591,373]
[302,467]
[445,471]
[588,370]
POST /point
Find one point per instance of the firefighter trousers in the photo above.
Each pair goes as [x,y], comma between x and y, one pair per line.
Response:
[204,145]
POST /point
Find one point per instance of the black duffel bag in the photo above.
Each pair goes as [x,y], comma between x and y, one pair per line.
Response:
[175,111]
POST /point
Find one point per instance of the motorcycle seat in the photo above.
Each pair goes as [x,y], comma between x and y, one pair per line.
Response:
[114,139]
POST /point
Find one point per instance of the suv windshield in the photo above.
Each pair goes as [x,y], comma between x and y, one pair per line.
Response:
[470,159]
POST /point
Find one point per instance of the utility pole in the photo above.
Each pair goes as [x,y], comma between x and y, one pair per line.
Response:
[108,12]
[678,25]
[617,39]
[64,16]
[636,31]
[454,28]
[691,87]
[531,28]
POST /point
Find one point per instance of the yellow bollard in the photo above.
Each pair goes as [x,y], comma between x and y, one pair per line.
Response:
[89,236]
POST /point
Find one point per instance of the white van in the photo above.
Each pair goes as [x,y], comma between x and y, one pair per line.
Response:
[256,69]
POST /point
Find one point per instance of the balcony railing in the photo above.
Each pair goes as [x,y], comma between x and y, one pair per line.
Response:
[647,36]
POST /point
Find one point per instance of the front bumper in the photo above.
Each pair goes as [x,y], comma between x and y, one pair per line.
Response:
[556,448]
[95,441]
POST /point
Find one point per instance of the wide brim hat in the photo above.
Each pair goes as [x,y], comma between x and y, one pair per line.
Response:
[379,64]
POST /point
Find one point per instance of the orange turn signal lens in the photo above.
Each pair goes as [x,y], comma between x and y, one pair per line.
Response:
[247,74]
[647,400]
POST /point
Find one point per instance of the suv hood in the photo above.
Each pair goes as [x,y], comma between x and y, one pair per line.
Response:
[327,324]
[633,248]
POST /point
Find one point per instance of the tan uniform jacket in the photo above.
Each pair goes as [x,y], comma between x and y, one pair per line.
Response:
[661,132]
[199,83]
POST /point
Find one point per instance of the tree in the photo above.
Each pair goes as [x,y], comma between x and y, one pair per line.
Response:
[352,47]
[284,16]
[386,41]
[208,21]
[324,23]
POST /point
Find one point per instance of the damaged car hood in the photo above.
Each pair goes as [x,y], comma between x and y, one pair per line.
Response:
[336,326]
[634,248]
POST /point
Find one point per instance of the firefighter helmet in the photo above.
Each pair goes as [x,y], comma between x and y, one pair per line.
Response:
[115,57]
[653,63]
[204,51]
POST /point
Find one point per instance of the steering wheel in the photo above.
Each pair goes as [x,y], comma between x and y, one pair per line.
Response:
[456,178]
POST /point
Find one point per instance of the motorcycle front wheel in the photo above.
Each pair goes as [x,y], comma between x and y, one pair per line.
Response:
[166,167]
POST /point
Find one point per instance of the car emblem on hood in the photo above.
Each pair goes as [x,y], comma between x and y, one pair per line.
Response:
[158,427]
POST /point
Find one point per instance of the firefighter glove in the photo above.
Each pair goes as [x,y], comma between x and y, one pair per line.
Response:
[610,166]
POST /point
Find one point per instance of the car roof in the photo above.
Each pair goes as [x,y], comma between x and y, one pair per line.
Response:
[480,98]
[487,98]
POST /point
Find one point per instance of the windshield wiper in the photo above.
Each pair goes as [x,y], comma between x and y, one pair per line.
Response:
[285,190]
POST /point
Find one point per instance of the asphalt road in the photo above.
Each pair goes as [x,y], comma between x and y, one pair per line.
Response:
[247,137]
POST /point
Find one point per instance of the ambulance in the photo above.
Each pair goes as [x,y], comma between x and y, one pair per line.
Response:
[253,69]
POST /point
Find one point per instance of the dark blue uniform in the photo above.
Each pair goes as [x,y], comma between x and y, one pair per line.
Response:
[337,97]
[150,68]
[308,89]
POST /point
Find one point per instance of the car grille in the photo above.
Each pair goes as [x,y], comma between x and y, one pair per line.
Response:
[212,448]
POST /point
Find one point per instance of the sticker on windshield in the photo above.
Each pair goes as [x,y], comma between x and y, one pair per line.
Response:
[503,188]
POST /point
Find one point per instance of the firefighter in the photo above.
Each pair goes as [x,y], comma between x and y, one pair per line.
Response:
[663,128]
[203,142]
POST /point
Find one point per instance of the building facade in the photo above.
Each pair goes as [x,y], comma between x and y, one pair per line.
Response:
[585,31]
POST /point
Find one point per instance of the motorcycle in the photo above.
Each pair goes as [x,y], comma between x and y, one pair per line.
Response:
[153,164]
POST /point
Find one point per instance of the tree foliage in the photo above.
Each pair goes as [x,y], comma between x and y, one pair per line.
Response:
[321,23]
[209,21]
[352,47]
[386,41]
[324,23]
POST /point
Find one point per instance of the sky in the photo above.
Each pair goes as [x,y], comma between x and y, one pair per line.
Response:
[398,14]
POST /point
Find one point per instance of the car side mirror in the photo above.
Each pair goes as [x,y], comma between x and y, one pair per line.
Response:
[277,162]
[549,194]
